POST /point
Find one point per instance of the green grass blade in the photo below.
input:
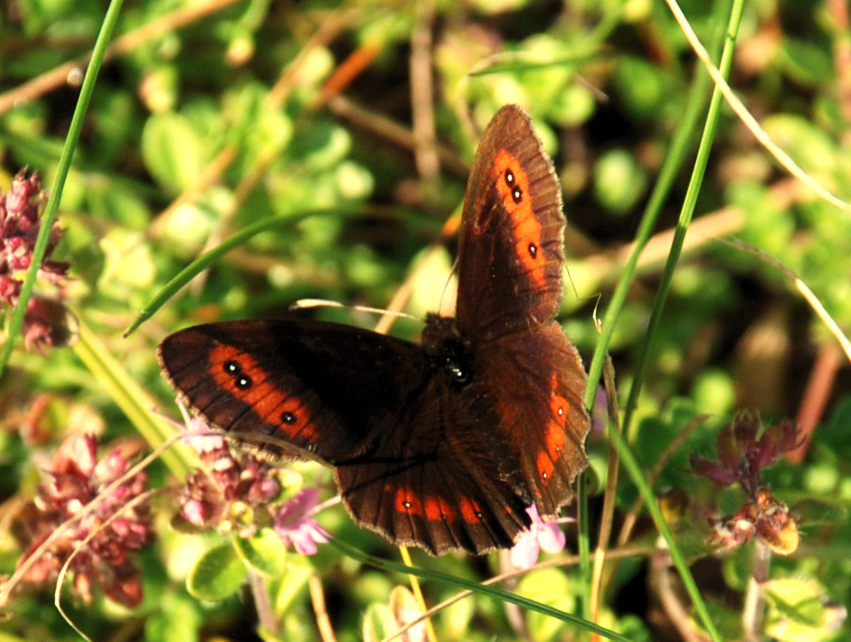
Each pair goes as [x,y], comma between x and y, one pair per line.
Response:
[686,213]
[50,210]
[481,589]
[676,155]
[656,315]
[133,400]
[634,470]
[208,258]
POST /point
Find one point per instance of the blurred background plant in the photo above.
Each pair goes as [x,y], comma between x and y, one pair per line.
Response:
[354,123]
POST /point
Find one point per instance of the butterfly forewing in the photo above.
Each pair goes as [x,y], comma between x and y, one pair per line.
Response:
[512,233]
[323,388]
[510,287]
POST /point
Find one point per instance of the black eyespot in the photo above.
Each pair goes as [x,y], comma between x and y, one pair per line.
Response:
[533,250]
[244,382]
[509,177]
[480,514]
[232,367]
[517,195]
[287,417]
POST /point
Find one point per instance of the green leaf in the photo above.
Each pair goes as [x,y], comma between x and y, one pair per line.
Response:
[264,552]
[218,574]
[642,87]
[173,151]
[807,62]
[322,146]
[814,150]
[797,610]
[378,623]
[551,587]
[293,582]
[619,181]
[178,619]
[112,203]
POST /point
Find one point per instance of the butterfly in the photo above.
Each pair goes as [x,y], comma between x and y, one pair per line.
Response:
[442,444]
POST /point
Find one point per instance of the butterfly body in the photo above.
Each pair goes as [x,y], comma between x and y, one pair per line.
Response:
[442,444]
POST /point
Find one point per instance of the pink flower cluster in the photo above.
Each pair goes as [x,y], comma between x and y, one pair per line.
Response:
[238,493]
[111,530]
[226,491]
[20,224]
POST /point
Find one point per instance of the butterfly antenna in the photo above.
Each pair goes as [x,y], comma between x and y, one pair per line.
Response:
[302,304]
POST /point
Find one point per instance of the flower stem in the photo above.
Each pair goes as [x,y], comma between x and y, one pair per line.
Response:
[753,609]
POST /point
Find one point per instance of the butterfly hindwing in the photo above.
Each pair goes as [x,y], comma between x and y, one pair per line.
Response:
[437,481]
[537,382]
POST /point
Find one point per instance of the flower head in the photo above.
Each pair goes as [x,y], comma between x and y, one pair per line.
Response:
[743,453]
[228,491]
[766,518]
[45,323]
[239,492]
[112,530]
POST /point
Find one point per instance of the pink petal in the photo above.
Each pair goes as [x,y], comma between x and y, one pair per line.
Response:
[77,455]
[551,538]
[525,552]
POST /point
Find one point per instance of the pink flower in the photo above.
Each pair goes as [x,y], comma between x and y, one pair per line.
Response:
[75,479]
[541,535]
[46,324]
[295,525]
[46,321]
[231,491]
[199,435]
[743,452]
[20,209]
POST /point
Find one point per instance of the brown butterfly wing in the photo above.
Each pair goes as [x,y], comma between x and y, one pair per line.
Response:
[537,382]
[410,458]
[324,389]
[437,480]
[442,446]
[509,290]
[512,233]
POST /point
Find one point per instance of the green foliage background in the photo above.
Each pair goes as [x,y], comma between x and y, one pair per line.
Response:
[205,123]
